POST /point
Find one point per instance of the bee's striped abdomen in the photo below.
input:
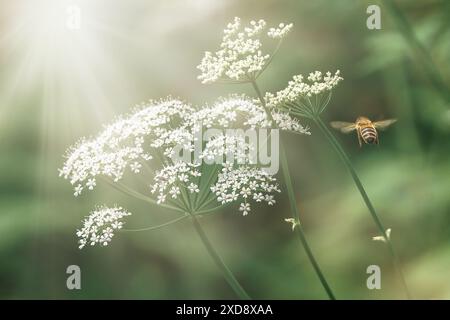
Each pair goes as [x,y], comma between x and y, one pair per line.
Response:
[369,134]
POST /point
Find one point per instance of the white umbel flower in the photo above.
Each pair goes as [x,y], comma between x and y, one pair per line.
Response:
[159,128]
[170,178]
[247,113]
[99,226]
[298,88]
[280,32]
[240,57]
[305,97]
[243,182]
[126,144]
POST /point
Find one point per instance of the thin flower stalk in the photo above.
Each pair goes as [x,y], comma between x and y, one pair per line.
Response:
[226,272]
[297,226]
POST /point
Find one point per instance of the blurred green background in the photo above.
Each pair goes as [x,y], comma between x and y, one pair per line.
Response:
[57,85]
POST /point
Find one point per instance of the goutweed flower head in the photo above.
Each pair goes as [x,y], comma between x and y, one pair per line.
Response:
[240,111]
[305,96]
[144,143]
[172,178]
[126,144]
[235,111]
[240,57]
[245,183]
[99,226]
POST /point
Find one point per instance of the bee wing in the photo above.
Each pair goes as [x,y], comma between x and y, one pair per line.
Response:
[344,127]
[383,124]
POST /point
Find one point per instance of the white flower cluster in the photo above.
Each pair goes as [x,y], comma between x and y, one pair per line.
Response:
[171,178]
[228,148]
[280,32]
[245,112]
[235,109]
[160,127]
[245,183]
[99,226]
[298,88]
[285,122]
[240,57]
[122,144]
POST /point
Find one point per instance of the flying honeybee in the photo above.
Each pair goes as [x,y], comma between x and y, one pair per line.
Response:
[365,129]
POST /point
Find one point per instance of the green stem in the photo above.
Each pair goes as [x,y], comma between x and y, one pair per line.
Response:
[298,226]
[207,202]
[373,213]
[419,49]
[162,225]
[293,203]
[204,193]
[131,192]
[228,275]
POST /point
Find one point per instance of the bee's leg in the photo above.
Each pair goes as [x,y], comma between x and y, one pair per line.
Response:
[359,139]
